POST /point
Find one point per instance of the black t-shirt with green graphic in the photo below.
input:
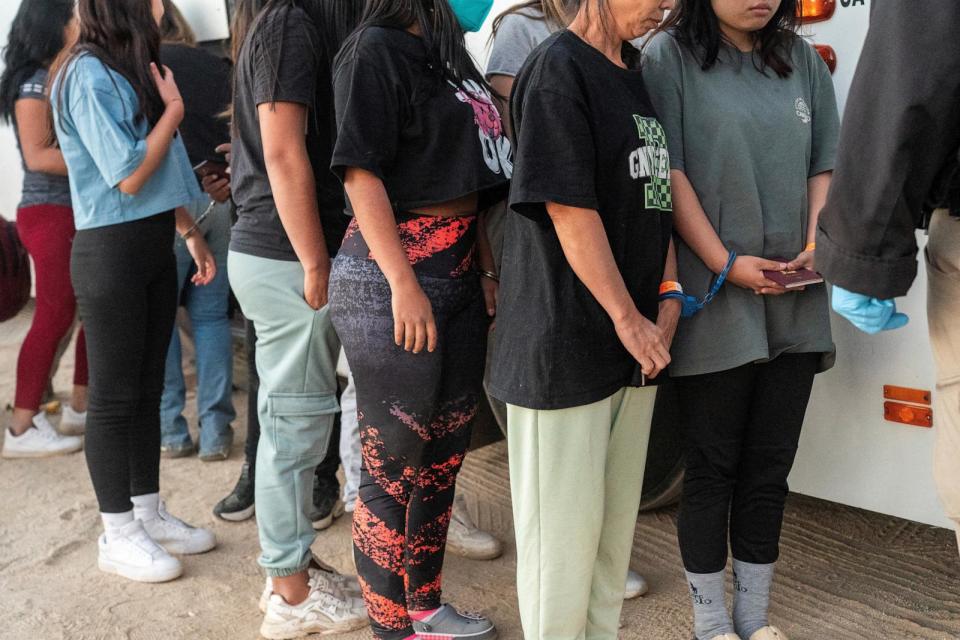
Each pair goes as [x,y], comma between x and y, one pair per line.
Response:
[587,136]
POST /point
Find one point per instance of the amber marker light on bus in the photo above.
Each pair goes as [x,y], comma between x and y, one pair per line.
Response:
[828,54]
[908,414]
[816,10]
[906,394]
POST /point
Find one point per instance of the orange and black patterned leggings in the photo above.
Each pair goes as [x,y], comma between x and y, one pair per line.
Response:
[415,414]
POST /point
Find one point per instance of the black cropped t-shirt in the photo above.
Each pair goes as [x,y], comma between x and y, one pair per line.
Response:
[430,140]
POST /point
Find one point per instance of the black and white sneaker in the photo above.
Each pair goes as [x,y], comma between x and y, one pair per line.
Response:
[239,505]
[327,505]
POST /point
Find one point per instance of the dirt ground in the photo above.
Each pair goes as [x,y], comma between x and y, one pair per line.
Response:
[845,574]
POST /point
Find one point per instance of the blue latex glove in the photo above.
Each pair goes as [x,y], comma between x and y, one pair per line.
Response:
[868,314]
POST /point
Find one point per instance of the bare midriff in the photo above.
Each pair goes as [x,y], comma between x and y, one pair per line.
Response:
[462,206]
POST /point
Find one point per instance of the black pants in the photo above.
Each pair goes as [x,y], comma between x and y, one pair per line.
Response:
[741,427]
[125,278]
[416,412]
[327,469]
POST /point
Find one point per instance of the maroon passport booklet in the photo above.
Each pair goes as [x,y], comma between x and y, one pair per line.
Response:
[793,279]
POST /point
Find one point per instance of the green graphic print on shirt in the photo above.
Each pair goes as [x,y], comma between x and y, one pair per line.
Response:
[652,160]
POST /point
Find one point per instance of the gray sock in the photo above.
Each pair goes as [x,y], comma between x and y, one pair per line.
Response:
[710,617]
[751,596]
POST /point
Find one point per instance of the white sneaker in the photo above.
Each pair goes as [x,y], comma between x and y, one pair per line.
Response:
[348,584]
[135,556]
[39,441]
[322,613]
[465,539]
[176,536]
[636,586]
[341,585]
[73,423]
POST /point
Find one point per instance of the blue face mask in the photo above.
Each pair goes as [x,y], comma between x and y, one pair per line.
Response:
[471,13]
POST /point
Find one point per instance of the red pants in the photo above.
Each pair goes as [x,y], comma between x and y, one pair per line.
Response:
[47,231]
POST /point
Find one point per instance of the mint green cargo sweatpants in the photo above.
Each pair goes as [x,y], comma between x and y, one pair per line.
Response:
[297,351]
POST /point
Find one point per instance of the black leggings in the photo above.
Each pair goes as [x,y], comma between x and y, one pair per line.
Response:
[741,427]
[415,412]
[125,278]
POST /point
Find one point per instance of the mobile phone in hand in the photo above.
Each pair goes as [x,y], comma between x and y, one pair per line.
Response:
[211,168]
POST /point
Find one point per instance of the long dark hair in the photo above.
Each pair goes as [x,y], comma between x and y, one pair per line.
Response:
[439,28]
[174,28]
[696,26]
[36,37]
[244,13]
[123,35]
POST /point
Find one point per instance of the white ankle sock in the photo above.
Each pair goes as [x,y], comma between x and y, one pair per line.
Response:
[113,522]
[145,507]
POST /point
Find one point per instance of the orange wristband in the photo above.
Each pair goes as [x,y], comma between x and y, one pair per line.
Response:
[670,285]
[811,246]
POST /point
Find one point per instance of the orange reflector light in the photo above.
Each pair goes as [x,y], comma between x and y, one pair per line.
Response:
[906,414]
[816,10]
[828,54]
[905,394]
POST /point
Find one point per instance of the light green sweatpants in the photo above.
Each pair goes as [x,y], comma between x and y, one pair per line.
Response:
[297,352]
[575,477]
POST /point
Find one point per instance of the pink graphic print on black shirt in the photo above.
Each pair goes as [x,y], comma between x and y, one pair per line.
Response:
[496,146]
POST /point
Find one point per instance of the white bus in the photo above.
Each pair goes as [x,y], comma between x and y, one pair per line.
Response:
[857,447]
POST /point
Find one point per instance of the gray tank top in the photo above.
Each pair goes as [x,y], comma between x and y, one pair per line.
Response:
[40,188]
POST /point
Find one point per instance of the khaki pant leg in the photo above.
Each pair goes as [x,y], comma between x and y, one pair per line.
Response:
[943,313]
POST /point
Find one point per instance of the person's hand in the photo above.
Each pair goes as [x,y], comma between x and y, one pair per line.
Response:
[646,343]
[491,291]
[226,149]
[667,319]
[747,272]
[203,258]
[166,85]
[413,324]
[315,286]
[870,315]
[217,187]
[804,260]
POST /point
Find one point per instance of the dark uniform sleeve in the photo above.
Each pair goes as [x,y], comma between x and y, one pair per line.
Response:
[901,127]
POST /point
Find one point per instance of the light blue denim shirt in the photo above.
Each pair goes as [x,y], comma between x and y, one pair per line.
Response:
[103,142]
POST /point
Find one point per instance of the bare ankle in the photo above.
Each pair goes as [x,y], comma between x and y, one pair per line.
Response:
[294,589]
[78,401]
[21,420]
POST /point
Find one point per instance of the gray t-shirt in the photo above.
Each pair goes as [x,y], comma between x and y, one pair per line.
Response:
[519,33]
[748,141]
[40,188]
